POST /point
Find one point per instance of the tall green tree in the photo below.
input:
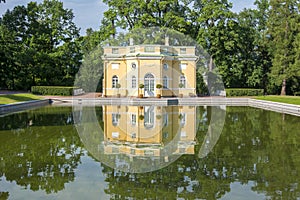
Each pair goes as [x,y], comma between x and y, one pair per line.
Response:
[46,34]
[140,14]
[283,28]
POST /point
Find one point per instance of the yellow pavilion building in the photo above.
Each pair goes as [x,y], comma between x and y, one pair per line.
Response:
[161,70]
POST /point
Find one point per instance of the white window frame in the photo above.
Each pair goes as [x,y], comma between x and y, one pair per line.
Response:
[182,80]
[133,82]
[115,65]
[165,82]
[115,119]
[115,135]
[114,81]
[183,66]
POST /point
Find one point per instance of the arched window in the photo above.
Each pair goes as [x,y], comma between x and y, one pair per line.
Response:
[133,82]
[149,83]
[182,81]
[165,82]
[115,81]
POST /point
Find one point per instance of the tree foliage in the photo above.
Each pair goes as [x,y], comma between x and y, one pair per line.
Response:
[283,28]
[42,48]
[249,49]
[256,48]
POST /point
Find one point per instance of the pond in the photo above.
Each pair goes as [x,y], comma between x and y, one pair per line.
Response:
[135,152]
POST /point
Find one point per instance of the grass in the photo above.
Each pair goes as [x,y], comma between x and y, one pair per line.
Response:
[281,99]
[14,98]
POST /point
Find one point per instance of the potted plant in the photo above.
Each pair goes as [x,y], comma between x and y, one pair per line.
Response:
[180,86]
[159,86]
[118,86]
[141,86]
[141,117]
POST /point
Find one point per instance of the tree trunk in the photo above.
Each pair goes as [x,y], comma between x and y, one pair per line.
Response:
[211,64]
[283,88]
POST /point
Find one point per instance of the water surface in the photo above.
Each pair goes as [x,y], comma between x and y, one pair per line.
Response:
[256,156]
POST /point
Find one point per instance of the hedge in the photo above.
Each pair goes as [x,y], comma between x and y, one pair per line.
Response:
[53,90]
[234,92]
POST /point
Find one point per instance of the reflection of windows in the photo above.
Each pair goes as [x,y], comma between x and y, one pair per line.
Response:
[182,81]
[148,153]
[115,119]
[166,119]
[182,118]
[165,82]
[132,151]
[149,117]
[183,134]
[115,134]
[164,50]
[115,81]
[133,119]
[165,135]
[133,82]
[166,66]
[133,135]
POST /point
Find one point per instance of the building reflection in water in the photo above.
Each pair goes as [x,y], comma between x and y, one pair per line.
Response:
[149,131]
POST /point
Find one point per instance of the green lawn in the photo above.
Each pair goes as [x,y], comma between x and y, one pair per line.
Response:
[281,99]
[13,98]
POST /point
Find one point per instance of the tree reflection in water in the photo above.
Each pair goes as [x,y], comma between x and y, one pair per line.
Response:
[40,150]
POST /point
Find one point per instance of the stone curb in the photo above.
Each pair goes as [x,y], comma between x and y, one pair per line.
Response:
[213,101]
[275,106]
[8,108]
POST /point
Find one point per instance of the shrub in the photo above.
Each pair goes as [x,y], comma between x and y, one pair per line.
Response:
[234,92]
[53,90]
[159,86]
[297,94]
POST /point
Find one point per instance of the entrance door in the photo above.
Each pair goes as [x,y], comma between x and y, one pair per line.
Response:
[149,83]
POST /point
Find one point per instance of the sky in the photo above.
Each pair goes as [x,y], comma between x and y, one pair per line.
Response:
[88,13]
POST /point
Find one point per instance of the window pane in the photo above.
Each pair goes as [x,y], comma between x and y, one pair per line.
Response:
[165,82]
[133,119]
[115,65]
[133,82]
[183,66]
[182,82]
[115,119]
[115,50]
[149,49]
[115,134]
[114,81]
